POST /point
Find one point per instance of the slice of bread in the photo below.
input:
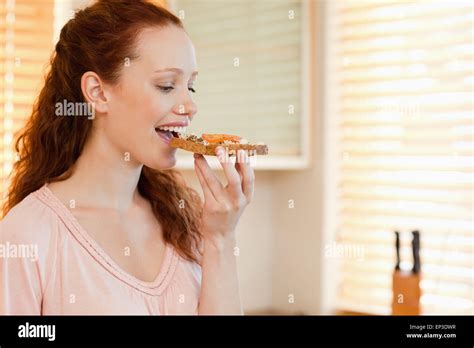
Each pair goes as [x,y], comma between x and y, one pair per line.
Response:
[198,145]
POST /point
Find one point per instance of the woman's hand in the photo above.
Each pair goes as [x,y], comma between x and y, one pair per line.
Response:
[223,206]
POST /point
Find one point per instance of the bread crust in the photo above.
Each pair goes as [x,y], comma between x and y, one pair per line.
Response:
[210,149]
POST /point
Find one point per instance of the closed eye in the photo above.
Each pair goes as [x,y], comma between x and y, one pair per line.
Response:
[165,88]
[168,89]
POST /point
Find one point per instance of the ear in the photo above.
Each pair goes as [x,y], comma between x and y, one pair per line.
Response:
[93,90]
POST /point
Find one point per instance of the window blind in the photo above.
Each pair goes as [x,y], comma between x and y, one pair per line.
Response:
[250,60]
[404,75]
[26,38]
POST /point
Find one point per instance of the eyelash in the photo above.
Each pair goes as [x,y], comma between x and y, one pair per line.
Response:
[168,89]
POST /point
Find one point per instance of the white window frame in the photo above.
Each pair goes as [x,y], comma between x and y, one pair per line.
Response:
[302,161]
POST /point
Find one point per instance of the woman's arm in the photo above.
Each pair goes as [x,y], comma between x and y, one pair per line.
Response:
[222,209]
[20,265]
[220,285]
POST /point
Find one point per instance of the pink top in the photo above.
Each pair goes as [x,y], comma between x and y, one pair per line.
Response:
[49,265]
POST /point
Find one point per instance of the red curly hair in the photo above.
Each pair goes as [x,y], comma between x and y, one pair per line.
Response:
[98,39]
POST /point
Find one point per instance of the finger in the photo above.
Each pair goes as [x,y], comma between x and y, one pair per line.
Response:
[208,175]
[208,196]
[233,178]
[247,173]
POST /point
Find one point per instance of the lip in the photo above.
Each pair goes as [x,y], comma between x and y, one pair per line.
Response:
[175,124]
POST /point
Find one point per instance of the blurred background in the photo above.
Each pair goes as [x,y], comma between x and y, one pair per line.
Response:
[367,109]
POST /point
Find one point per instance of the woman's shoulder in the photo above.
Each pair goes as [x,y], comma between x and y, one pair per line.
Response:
[30,220]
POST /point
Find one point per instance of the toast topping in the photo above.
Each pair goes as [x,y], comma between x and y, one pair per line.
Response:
[214,139]
[193,137]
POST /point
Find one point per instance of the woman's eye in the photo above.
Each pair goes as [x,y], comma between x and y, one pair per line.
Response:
[165,88]
[169,88]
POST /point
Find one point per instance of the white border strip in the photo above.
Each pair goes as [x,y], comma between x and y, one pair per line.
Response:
[329,271]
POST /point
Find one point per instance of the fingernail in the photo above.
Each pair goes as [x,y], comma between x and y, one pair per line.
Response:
[220,151]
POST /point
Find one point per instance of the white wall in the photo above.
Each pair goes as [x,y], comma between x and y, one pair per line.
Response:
[298,233]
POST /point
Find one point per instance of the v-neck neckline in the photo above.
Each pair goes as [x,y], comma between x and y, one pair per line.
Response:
[155,287]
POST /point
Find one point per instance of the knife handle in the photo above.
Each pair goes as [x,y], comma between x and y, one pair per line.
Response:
[416,252]
[397,247]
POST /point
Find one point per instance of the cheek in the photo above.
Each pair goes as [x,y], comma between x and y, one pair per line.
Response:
[139,106]
[135,106]
[161,103]
[127,119]
[154,104]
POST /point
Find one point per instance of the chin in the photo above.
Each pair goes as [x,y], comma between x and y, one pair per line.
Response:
[163,164]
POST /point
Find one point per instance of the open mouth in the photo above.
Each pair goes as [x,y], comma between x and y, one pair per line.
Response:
[173,133]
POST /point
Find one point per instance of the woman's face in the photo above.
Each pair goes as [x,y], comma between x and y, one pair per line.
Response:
[148,95]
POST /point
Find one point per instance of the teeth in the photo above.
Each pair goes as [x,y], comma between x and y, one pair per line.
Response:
[173,129]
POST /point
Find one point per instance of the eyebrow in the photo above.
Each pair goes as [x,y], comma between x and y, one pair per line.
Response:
[176,70]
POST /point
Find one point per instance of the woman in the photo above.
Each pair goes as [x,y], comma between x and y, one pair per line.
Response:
[116,230]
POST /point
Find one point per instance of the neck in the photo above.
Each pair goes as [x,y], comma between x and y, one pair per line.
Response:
[109,177]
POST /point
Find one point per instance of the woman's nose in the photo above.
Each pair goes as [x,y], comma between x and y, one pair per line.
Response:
[189,109]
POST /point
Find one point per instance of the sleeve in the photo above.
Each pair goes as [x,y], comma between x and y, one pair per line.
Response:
[26,239]
[20,291]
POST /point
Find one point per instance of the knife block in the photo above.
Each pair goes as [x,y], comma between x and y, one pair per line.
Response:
[406,293]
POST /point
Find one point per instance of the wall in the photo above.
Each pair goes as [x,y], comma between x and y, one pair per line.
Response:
[298,232]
